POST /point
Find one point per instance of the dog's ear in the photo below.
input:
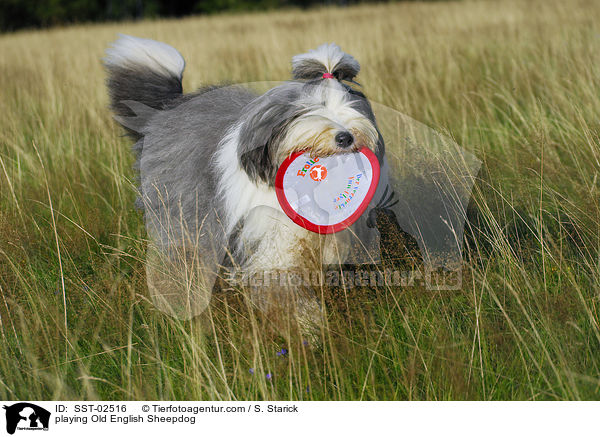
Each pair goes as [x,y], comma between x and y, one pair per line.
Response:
[262,127]
[257,163]
[327,58]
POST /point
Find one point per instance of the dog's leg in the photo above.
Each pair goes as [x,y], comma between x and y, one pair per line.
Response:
[283,267]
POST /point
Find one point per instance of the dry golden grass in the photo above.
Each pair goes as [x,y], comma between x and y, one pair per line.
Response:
[516,83]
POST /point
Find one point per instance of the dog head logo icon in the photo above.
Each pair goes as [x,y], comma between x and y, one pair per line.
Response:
[26,416]
[318,173]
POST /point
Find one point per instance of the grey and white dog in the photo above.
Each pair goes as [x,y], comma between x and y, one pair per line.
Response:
[208,159]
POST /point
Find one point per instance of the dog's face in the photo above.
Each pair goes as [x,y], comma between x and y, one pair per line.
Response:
[322,116]
[331,120]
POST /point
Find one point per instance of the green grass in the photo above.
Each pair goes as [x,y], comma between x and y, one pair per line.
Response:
[515,83]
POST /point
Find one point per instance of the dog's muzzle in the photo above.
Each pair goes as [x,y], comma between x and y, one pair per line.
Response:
[344,139]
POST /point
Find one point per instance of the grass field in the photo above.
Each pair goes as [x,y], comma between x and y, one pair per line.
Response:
[515,83]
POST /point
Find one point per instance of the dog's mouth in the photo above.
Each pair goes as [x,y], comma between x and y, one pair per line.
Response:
[329,143]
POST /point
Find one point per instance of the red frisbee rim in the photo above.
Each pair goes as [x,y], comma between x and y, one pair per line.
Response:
[325,229]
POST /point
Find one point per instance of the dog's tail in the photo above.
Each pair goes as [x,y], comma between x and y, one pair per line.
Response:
[142,71]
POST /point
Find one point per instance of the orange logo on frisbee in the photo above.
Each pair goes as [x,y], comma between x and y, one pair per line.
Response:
[318,173]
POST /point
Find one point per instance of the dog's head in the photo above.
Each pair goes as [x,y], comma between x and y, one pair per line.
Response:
[318,112]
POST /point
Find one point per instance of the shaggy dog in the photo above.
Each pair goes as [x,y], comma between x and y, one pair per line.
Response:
[208,159]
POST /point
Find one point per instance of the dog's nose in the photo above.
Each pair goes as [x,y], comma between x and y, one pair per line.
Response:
[344,139]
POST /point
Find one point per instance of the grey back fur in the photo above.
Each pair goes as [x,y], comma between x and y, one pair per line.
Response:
[178,179]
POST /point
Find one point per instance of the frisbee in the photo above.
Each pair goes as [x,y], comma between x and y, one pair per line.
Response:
[327,194]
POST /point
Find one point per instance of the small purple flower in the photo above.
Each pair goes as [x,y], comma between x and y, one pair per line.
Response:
[307,389]
[282,352]
[305,342]
[251,371]
[269,376]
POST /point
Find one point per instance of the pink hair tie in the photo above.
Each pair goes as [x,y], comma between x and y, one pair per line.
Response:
[327,76]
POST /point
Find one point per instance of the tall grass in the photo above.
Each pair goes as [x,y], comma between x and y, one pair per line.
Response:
[515,83]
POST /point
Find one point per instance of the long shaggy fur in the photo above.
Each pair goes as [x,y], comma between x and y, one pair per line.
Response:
[327,58]
[209,159]
[143,71]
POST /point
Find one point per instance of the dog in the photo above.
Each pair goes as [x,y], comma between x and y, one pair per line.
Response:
[208,159]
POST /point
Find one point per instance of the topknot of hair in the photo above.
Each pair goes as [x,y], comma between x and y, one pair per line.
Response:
[327,58]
